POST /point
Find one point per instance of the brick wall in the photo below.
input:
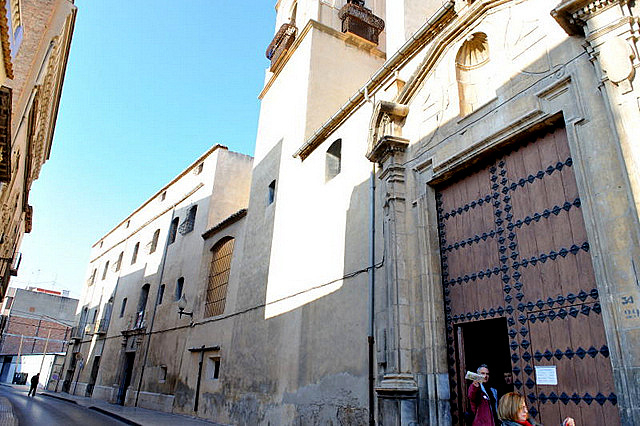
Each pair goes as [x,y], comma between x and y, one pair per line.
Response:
[29,328]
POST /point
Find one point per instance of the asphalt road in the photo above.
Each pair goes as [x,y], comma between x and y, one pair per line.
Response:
[46,411]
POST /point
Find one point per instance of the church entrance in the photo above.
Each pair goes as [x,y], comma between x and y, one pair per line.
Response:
[484,342]
[517,271]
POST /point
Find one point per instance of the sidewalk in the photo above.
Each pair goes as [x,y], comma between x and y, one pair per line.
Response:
[129,415]
[7,418]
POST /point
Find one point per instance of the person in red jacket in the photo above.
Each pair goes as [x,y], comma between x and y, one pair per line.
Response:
[483,400]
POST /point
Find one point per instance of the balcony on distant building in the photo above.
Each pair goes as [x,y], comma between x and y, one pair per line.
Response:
[280,44]
[359,20]
[77,332]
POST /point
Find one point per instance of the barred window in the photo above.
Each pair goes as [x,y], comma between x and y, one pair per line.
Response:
[189,221]
[218,277]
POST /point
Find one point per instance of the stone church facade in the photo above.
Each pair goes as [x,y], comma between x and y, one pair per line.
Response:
[436,185]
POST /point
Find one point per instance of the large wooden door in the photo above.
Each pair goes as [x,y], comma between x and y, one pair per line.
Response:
[513,245]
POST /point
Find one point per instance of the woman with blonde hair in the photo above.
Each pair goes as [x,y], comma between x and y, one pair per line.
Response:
[512,411]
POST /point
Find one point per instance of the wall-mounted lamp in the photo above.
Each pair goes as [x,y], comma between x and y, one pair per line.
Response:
[182,303]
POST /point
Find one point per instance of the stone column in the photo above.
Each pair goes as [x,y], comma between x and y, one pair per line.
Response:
[398,390]
[611,32]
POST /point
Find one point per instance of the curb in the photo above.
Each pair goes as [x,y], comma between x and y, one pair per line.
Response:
[59,397]
[114,415]
[94,408]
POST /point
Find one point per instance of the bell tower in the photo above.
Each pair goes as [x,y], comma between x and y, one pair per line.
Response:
[321,53]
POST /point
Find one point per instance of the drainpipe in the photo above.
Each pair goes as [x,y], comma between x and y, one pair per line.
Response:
[372,273]
[155,307]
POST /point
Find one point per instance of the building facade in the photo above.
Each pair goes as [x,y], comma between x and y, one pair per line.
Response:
[35,37]
[436,185]
[35,327]
[140,273]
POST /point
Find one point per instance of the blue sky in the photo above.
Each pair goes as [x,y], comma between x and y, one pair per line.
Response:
[150,86]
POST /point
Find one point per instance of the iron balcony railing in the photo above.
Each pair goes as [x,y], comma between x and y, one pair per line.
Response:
[139,321]
[280,44]
[102,326]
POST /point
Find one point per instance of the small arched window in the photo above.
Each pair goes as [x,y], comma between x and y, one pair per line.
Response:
[144,295]
[271,192]
[123,307]
[218,277]
[154,241]
[333,163]
[106,269]
[119,262]
[473,73]
[179,288]
[134,257]
[173,230]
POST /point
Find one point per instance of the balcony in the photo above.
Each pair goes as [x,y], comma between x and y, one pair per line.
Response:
[359,20]
[280,44]
[139,321]
[102,326]
[77,332]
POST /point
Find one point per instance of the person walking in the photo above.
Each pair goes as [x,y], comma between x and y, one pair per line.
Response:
[34,384]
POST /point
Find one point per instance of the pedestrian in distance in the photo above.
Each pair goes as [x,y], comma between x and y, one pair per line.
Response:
[483,400]
[34,384]
[512,411]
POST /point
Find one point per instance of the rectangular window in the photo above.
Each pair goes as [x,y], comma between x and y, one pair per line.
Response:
[8,303]
[271,193]
[163,374]
[160,294]
[123,307]
[213,367]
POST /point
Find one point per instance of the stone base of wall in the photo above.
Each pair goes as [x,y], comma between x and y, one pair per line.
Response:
[104,393]
[155,401]
[78,388]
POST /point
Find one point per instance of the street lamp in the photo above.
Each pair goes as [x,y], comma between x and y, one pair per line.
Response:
[182,304]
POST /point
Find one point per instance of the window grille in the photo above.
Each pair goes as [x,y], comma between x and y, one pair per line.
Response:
[189,221]
[219,278]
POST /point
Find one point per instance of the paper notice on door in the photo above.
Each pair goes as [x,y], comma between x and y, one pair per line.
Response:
[546,375]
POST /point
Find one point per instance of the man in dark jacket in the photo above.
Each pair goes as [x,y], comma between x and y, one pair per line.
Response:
[34,384]
[483,400]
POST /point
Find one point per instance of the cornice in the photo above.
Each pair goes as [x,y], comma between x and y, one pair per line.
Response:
[407,52]
[4,41]
[572,15]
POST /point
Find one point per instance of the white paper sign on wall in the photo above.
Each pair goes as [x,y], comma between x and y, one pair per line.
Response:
[546,375]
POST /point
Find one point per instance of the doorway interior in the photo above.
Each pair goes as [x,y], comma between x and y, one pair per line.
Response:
[484,342]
